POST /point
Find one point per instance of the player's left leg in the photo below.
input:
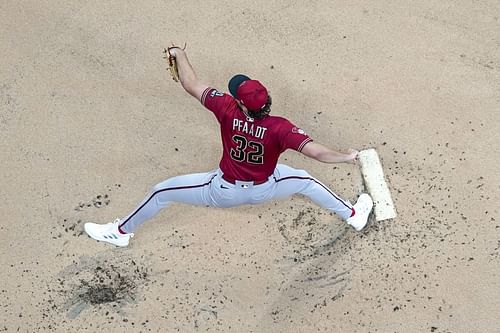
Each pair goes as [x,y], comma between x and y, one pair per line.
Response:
[190,189]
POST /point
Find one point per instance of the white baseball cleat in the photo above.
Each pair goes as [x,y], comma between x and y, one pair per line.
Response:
[362,209]
[108,233]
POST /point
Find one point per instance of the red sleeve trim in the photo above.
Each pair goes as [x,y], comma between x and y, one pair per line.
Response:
[301,146]
[204,95]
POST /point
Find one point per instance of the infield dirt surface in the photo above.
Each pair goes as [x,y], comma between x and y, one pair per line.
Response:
[90,120]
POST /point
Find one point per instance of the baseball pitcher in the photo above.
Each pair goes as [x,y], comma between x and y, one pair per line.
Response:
[248,171]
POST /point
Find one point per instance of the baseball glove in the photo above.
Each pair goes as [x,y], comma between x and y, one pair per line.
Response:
[172,62]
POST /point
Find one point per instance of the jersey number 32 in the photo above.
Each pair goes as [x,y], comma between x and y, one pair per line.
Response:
[249,151]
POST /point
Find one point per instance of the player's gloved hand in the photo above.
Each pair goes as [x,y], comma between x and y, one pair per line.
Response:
[171,54]
[174,51]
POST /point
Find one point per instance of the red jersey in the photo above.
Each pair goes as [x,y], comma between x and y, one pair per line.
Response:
[251,147]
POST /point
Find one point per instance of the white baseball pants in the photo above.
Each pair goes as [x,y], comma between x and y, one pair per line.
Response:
[209,189]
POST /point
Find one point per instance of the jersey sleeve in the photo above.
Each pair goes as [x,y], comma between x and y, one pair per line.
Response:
[293,137]
[216,101]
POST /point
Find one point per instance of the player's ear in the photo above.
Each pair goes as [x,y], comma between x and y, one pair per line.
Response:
[266,109]
[241,106]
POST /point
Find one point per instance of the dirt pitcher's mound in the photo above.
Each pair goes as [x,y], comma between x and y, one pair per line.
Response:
[90,120]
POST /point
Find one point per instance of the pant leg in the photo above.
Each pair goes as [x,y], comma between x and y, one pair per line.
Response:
[190,189]
[290,181]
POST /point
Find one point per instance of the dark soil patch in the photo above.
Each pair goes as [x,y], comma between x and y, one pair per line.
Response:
[106,286]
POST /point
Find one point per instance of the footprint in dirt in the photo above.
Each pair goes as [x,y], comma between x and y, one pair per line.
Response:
[99,201]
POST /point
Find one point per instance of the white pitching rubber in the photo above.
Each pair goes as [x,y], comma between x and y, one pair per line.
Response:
[373,175]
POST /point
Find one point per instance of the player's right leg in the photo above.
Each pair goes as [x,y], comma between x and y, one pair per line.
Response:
[290,181]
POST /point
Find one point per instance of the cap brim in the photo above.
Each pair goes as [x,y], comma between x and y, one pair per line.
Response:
[235,82]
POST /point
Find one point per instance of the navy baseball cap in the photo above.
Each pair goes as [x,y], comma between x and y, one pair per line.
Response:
[251,93]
